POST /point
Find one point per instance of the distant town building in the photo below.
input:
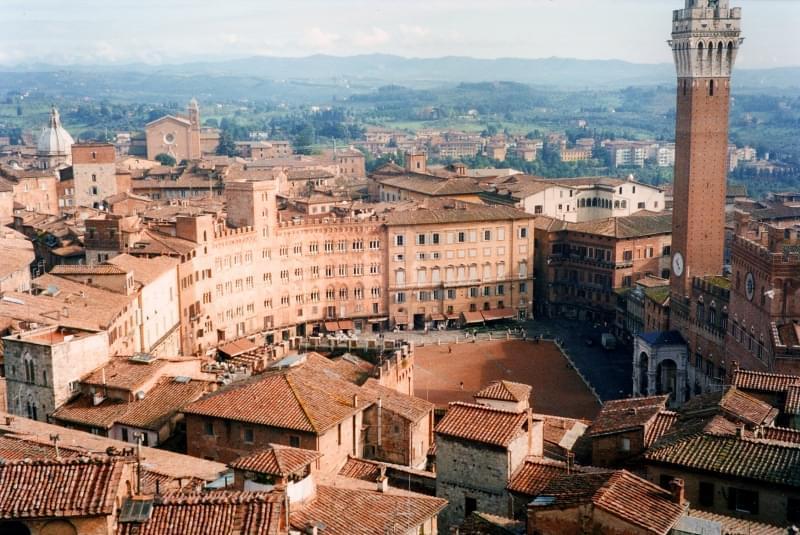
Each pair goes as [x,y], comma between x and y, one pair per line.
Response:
[181,137]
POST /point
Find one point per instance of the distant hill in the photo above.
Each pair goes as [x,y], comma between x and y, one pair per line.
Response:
[376,69]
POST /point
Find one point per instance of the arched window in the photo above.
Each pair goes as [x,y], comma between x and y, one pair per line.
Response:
[711,88]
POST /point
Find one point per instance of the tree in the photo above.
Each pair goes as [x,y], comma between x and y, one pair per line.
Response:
[226,146]
[165,159]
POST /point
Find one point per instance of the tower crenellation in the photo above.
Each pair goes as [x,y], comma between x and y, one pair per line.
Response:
[705,38]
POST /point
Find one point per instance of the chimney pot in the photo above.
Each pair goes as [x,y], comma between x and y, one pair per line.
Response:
[678,490]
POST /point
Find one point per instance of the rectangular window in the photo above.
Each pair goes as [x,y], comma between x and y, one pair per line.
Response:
[470,505]
[706,494]
[420,239]
[249,435]
[294,441]
[462,237]
[399,240]
[208,429]
[743,501]
[523,232]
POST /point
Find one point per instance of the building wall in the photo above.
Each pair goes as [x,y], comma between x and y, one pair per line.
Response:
[772,499]
[459,276]
[402,442]
[94,173]
[173,137]
[228,443]
[37,194]
[607,450]
[578,520]
[56,366]
[161,314]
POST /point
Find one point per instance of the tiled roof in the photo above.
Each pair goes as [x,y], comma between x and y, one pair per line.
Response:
[83,269]
[625,414]
[159,404]
[780,434]
[276,460]
[472,213]
[411,408]
[301,398]
[656,429]
[621,494]
[763,381]
[213,513]
[51,488]
[792,405]
[362,512]
[634,226]
[480,423]
[485,524]
[534,475]
[431,185]
[505,391]
[124,374]
[145,270]
[735,403]
[732,456]
[563,432]
[737,526]
[361,469]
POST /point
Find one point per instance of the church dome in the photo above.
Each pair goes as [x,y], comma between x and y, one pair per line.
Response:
[54,139]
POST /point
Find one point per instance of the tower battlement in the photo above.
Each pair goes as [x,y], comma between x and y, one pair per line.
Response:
[706,38]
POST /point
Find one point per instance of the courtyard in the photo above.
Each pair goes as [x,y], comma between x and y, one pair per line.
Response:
[454,372]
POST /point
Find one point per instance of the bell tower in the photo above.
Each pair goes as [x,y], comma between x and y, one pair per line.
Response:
[705,41]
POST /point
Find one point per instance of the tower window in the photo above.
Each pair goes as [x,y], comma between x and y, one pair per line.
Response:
[711,88]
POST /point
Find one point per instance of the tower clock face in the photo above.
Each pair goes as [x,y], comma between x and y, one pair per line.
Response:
[750,286]
[677,264]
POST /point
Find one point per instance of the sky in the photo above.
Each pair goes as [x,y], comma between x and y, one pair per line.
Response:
[177,31]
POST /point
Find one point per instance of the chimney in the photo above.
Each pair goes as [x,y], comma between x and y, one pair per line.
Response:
[9,420]
[740,431]
[383,484]
[678,491]
[355,400]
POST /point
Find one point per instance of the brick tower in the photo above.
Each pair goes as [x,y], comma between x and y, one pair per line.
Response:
[705,40]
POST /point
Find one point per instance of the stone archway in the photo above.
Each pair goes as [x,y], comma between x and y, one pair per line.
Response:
[667,378]
[644,362]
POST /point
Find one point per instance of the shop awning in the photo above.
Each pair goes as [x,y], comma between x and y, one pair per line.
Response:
[472,317]
[499,314]
[377,320]
[346,325]
[331,326]
[401,319]
[435,316]
[452,316]
[238,347]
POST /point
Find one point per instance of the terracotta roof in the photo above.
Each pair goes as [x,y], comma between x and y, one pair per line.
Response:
[763,381]
[276,460]
[145,270]
[792,405]
[480,423]
[634,226]
[780,434]
[361,469]
[300,398]
[735,403]
[485,524]
[159,404]
[472,213]
[621,494]
[51,488]
[535,474]
[83,269]
[411,408]
[124,374]
[362,512]
[352,368]
[732,456]
[737,526]
[656,429]
[505,391]
[563,432]
[625,414]
[213,513]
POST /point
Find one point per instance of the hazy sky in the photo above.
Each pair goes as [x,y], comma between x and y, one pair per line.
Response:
[114,31]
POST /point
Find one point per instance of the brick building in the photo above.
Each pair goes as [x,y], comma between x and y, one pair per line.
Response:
[580,265]
[94,173]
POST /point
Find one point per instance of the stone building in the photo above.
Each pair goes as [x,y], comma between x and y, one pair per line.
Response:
[579,266]
[16,261]
[575,199]
[660,366]
[478,448]
[457,259]
[181,137]
[43,366]
[94,173]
